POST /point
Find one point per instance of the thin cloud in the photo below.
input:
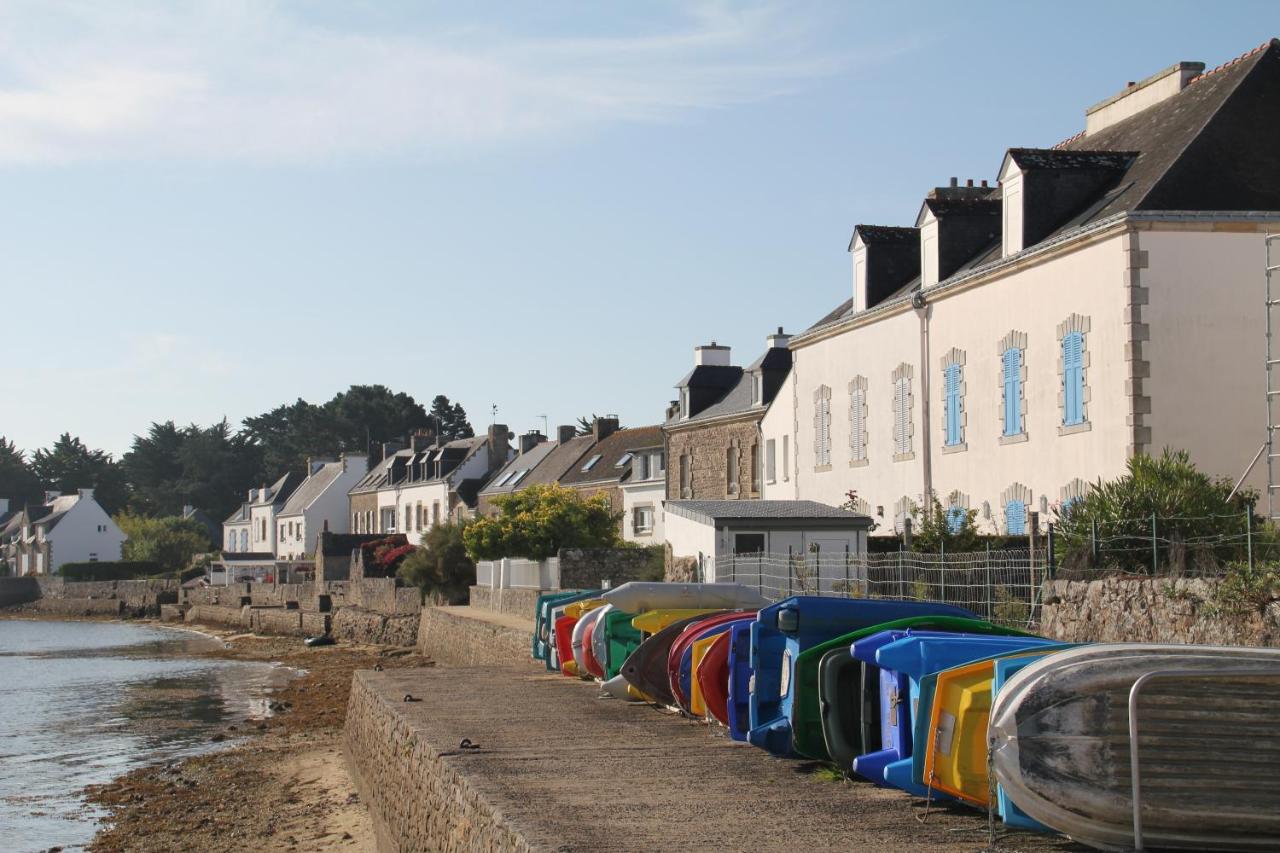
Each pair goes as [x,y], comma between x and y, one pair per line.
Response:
[249,81]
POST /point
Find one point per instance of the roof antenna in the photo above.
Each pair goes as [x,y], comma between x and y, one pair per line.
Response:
[493,414]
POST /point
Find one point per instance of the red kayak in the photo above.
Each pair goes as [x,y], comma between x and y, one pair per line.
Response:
[695,631]
[713,678]
[564,640]
[589,661]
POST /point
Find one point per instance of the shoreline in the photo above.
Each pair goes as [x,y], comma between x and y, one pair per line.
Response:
[281,783]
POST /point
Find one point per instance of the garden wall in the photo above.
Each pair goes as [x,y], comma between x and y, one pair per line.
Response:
[1159,610]
[517,602]
[589,568]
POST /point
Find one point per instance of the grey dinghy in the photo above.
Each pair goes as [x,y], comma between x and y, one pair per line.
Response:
[1209,756]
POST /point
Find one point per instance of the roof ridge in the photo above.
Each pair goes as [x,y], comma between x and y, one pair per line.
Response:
[1230,62]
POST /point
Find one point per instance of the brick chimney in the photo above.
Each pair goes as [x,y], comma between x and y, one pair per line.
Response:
[499,446]
[607,426]
[565,433]
[530,440]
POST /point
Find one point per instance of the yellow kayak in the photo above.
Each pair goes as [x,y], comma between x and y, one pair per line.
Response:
[700,648]
[653,621]
[955,759]
[579,607]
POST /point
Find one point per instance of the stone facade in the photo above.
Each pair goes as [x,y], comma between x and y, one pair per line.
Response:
[1155,610]
[451,638]
[418,797]
[705,450]
[517,602]
[589,568]
[363,505]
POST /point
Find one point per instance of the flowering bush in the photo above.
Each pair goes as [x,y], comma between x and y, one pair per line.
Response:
[538,521]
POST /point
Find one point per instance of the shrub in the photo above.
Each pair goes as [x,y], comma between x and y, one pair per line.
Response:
[440,568]
[171,541]
[537,522]
[935,529]
[121,570]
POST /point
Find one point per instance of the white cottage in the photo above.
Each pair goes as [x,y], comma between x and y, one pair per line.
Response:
[319,503]
[65,529]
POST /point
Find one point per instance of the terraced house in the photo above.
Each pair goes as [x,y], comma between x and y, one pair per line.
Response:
[1101,298]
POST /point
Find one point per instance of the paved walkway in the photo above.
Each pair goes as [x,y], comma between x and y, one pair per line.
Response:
[493,617]
[575,772]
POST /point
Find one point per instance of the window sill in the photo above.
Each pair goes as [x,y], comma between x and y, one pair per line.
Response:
[1072,429]
[1013,439]
[818,469]
[904,457]
[859,463]
[955,448]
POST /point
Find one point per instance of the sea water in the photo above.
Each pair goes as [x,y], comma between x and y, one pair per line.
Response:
[84,702]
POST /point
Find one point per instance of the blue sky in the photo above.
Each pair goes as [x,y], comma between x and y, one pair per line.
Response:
[212,208]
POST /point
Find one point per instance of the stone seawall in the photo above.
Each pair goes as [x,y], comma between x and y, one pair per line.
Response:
[1157,610]
[359,625]
[517,602]
[460,636]
[18,591]
[80,606]
[418,798]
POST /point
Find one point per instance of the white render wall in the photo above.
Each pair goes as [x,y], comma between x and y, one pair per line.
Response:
[436,491]
[77,539]
[689,538]
[647,492]
[258,543]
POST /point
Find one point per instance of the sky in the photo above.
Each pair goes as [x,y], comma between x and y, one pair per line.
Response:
[211,208]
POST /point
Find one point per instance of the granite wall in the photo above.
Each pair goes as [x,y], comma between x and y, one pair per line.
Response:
[517,602]
[418,799]
[1158,610]
[589,568]
[359,625]
[458,640]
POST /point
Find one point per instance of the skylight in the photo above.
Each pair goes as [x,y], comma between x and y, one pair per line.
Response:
[591,463]
[505,477]
[519,476]
[621,463]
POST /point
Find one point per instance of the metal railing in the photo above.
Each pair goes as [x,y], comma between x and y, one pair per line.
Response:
[1002,586]
[519,573]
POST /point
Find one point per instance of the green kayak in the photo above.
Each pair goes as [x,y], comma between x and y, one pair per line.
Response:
[806,728]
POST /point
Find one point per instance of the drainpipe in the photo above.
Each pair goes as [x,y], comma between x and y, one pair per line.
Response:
[922,307]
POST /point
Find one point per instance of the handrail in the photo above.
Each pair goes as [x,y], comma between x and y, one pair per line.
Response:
[1135,780]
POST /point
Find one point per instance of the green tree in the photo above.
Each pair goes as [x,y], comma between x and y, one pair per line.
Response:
[170,542]
[449,419]
[69,465]
[537,522]
[936,528]
[441,568]
[206,467]
[18,482]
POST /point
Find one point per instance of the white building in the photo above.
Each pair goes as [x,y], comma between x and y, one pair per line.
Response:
[319,503]
[1104,299]
[251,529]
[65,529]
[643,491]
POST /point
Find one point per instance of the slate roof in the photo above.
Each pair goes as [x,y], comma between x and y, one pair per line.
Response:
[279,491]
[1058,158]
[736,401]
[559,461]
[56,511]
[527,461]
[312,488]
[613,448]
[377,475]
[710,512]
[240,515]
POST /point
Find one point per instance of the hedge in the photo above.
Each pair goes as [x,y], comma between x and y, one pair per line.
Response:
[121,570]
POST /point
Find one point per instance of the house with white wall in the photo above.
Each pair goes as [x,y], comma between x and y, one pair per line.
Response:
[65,529]
[643,491]
[319,503]
[1103,298]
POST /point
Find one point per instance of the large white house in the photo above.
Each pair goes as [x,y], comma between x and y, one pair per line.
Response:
[64,529]
[1103,298]
[251,529]
[319,503]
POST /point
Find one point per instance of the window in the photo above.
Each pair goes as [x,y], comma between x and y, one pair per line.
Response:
[244,540]
[955,518]
[642,520]
[658,468]
[591,463]
[435,512]
[770,461]
[504,478]
[786,458]
[858,420]
[519,476]
[731,469]
[952,379]
[757,389]
[755,468]
[822,427]
[93,558]
[748,543]
[684,402]
[1015,518]
[686,476]
[1073,379]
[408,519]
[622,463]
[419,517]
[1012,351]
[901,416]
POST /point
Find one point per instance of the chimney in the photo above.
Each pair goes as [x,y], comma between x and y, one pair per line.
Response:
[778,340]
[1136,97]
[50,497]
[311,466]
[530,440]
[85,494]
[499,446]
[253,495]
[712,355]
[565,433]
[421,440]
[605,427]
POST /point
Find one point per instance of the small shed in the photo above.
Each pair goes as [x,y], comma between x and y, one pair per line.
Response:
[721,535]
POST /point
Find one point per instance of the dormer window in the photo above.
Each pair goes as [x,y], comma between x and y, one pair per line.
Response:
[591,463]
[757,389]
[684,402]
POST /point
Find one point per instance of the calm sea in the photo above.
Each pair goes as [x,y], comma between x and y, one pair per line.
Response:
[83,702]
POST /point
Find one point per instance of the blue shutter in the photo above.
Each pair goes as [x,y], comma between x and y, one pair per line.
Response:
[955,519]
[952,391]
[1015,516]
[1073,378]
[1012,391]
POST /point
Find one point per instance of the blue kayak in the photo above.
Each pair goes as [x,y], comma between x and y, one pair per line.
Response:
[542,625]
[783,630]
[686,658]
[739,707]
[916,658]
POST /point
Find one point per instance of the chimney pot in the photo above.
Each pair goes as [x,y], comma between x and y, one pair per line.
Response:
[984,183]
[955,182]
[968,182]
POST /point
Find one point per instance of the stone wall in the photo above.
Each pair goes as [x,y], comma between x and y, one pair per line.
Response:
[454,639]
[517,602]
[22,590]
[708,448]
[678,569]
[1156,610]
[135,598]
[218,614]
[588,568]
[80,606]
[417,797]
[358,625]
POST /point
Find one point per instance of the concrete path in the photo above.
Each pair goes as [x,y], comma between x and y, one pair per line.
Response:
[572,772]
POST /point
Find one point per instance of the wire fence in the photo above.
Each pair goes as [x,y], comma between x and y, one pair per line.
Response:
[1002,586]
[1200,545]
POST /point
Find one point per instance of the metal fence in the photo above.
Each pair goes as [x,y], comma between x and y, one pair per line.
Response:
[519,573]
[1002,586]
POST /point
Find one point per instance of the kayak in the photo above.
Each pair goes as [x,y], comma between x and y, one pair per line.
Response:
[1009,811]
[625,639]
[563,658]
[784,630]
[741,676]
[1060,745]
[580,646]
[639,596]
[697,704]
[599,644]
[646,668]
[713,678]
[679,659]
[815,701]
[544,624]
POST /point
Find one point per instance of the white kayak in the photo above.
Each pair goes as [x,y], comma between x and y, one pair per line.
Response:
[579,634]
[1207,735]
[599,641]
[642,596]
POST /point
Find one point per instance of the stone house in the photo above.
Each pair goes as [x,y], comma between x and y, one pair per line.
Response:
[1020,340]
[711,433]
